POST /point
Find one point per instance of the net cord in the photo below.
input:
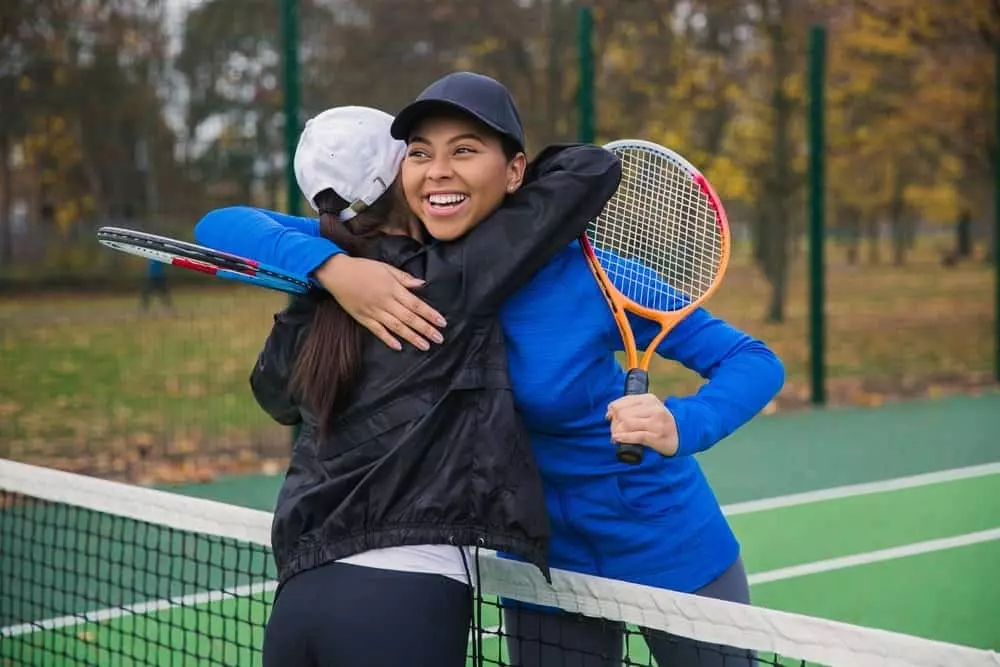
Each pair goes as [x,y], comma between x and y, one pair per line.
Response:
[763,630]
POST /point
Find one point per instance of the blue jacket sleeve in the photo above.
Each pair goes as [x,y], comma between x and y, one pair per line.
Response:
[743,376]
[287,242]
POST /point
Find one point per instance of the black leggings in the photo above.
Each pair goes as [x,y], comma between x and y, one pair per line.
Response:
[539,638]
[349,615]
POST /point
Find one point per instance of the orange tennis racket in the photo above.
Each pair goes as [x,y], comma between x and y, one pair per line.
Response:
[659,250]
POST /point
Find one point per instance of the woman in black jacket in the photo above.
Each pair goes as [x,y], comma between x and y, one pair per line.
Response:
[406,459]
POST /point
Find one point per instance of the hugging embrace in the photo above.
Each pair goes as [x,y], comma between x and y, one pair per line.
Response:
[455,377]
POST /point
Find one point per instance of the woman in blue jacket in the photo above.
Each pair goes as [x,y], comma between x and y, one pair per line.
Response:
[657,523]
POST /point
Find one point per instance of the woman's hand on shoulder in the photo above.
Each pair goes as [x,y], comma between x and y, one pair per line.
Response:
[378,296]
[643,419]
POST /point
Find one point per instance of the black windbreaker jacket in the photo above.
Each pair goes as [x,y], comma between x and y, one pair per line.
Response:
[430,449]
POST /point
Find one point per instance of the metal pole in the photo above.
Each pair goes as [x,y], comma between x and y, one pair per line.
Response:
[290,48]
[996,208]
[290,44]
[817,210]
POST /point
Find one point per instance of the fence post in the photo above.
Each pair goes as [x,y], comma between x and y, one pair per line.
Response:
[290,48]
[585,92]
[996,209]
[817,210]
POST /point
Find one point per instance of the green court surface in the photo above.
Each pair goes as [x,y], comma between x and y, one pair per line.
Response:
[887,518]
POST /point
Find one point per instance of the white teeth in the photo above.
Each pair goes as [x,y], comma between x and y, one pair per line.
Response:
[446,199]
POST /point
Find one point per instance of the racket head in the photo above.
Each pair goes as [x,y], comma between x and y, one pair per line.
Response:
[202,259]
[662,243]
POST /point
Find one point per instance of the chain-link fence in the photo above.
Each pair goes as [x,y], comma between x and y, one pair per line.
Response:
[149,113]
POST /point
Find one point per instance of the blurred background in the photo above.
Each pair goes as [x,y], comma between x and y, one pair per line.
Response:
[853,143]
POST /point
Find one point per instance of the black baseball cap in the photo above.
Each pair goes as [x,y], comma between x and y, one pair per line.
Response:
[485,99]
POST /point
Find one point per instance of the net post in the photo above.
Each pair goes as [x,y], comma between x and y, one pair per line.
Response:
[817,225]
[585,90]
[996,210]
[290,48]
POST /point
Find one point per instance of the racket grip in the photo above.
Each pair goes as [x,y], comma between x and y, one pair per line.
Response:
[636,382]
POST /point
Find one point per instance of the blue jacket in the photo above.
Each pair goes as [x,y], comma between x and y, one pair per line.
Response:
[657,523]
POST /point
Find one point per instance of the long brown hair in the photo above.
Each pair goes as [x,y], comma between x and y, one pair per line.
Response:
[327,366]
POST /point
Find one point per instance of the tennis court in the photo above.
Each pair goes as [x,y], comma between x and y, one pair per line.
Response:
[905,537]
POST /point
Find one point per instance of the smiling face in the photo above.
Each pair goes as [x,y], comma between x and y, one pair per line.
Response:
[456,173]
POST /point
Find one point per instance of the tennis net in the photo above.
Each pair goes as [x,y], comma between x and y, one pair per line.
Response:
[94,572]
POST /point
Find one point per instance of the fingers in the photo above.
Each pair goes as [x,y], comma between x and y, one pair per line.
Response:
[643,420]
[405,278]
[637,437]
[381,333]
[411,302]
[418,309]
[397,326]
[621,427]
[635,404]
[388,324]
[403,322]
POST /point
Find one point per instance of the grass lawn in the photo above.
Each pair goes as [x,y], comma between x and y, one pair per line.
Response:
[91,383]
[92,379]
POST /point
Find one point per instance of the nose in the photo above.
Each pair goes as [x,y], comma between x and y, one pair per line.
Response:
[440,168]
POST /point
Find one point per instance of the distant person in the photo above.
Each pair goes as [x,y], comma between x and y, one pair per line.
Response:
[156,283]
[963,240]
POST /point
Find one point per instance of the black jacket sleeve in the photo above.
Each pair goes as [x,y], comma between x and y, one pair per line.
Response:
[565,187]
[273,371]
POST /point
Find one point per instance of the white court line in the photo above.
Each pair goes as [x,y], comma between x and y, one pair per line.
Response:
[750,507]
[139,608]
[879,556]
[850,491]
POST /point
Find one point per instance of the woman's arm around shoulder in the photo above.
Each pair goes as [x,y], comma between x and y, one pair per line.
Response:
[565,187]
[378,296]
[288,242]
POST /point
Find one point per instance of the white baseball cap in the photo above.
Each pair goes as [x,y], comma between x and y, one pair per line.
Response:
[351,151]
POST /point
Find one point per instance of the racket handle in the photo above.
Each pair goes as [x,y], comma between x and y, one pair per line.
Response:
[636,382]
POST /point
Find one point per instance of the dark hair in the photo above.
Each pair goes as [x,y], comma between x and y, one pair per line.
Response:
[327,365]
[509,146]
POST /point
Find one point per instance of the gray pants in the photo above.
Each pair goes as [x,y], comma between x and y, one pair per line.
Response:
[539,638]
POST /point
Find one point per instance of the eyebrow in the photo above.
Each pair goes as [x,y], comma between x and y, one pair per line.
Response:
[460,137]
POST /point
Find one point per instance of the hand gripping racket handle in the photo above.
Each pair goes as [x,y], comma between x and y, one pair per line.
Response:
[636,382]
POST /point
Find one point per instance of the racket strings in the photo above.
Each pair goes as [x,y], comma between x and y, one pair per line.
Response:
[658,239]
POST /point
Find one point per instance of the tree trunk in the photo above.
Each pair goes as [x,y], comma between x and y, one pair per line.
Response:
[6,197]
[92,173]
[553,89]
[778,262]
[849,220]
[898,226]
[760,235]
[872,231]
[777,190]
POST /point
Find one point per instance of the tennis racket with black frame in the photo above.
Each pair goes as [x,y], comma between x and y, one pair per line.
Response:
[659,249]
[201,259]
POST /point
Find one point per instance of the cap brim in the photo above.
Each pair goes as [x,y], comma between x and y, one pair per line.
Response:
[411,115]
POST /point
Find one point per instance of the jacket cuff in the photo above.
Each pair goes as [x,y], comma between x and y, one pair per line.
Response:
[316,254]
[690,426]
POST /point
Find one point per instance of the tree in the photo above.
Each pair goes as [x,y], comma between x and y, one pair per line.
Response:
[948,113]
